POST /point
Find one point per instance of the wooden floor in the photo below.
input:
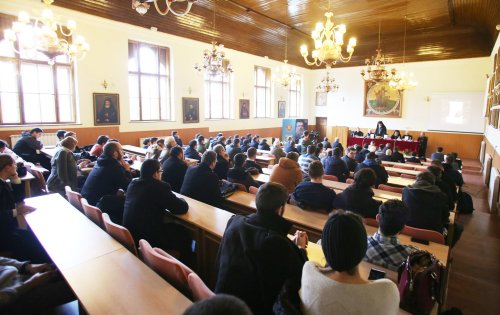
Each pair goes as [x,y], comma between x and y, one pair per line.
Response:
[474,285]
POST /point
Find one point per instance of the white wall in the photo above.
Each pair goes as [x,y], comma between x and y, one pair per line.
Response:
[345,108]
[108,57]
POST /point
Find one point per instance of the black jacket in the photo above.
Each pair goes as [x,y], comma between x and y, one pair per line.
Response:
[314,196]
[221,167]
[351,164]
[256,258]
[27,146]
[358,200]
[232,151]
[105,179]
[241,176]
[192,154]
[413,160]
[173,172]
[8,199]
[145,205]
[335,166]
[398,157]
[249,164]
[264,146]
[289,148]
[202,184]
[428,209]
[381,173]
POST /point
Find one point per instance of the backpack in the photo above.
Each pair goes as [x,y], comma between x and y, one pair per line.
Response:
[464,203]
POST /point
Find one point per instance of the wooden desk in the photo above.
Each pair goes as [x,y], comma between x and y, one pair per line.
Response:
[49,152]
[415,166]
[27,184]
[381,194]
[265,160]
[402,171]
[267,170]
[134,150]
[191,162]
[400,181]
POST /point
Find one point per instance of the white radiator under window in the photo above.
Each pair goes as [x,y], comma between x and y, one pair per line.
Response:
[493,187]
[48,139]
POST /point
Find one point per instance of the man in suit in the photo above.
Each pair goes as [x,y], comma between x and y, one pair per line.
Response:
[422,144]
[201,183]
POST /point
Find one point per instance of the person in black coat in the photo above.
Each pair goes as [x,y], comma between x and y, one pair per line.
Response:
[250,163]
[110,174]
[145,203]
[337,144]
[397,156]
[234,149]
[238,174]
[256,258]
[422,144]
[178,140]
[380,171]
[255,142]
[358,197]
[174,169]
[450,172]
[264,146]
[245,146]
[201,183]
[349,159]
[414,159]
[326,144]
[222,165]
[191,152]
[381,130]
[28,147]
[335,166]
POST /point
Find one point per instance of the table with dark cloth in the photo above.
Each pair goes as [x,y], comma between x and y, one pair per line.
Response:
[402,145]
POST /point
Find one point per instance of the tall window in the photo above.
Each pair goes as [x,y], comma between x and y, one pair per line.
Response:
[217,94]
[262,92]
[149,82]
[295,96]
[32,91]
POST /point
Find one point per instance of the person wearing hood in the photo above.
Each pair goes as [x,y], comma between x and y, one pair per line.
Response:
[287,172]
[110,174]
[427,204]
[29,146]
[380,171]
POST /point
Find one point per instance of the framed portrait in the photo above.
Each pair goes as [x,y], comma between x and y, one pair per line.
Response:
[381,100]
[106,109]
[321,98]
[281,109]
[190,110]
[244,109]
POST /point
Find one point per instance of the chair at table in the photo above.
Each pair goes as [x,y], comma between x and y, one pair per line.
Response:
[390,188]
[74,198]
[120,233]
[253,190]
[169,268]
[331,177]
[409,176]
[38,186]
[93,213]
[428,235]
[349,181]
[198,288]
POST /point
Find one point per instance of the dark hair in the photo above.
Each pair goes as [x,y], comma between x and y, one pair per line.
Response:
[219,304]
[381,146]
[305,133]
[370,156]
[436,171]
[200,139]
[392,217]
[426,176]
[365,178]
[209,157]
[270,197]
[3,144]
[344,241]
[192,144]
[294,156]
[102,140]
[149,168]
[246,142]
[239,159]
[154,139]
[110,148]
[316,169]
[174,132]
[60,134]
[251,152]
[337,152]
[36,130]
[325,139]
[449,159]
[311,149]
[175,151]
[236,141]
[440,149]
[146,141]
[5,159]
[437,163]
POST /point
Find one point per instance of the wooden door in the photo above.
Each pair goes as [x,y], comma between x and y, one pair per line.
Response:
[321,126]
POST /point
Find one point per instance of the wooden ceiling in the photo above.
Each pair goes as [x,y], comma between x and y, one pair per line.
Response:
[436,29]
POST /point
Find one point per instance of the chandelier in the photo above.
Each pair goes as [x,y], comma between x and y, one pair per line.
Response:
[375,67]
[285,74]
[142,7]
[327,84]
[46,35]
[213,62]
[328,42]
[403,80]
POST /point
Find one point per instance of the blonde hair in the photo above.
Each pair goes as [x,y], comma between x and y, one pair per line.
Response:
[170,142]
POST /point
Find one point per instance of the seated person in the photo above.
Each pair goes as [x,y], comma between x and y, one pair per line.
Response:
[306,159]
[245,146]
[287,172]
[350,159]
[387,156]
[238,174]
[277,150]
[305,141]
[443,186]
[438,155]
[396,135]
[264,146]
[407,136]
[178,140]
[326,144]
[357,133]
[201,183]
[191,152]
[99,145]
[337,144]
[234,148]
[27,288]
[290,145]
[450,172]
[360,153]
[380,171]
[340,288]
[255,142]
[169,144]
[397,156]
[384,248]
[358,197]
[219,304]
[28,147]
[60,136]
[250,163]
[334,165]
[414,159]
[370,134]
[145,203]
[154,151]
[427,204]
[381,130]
[201,144]
[146,143]
[381,149]
[222,165]
[256,257]
[174,169]
[314,195]
[4,148]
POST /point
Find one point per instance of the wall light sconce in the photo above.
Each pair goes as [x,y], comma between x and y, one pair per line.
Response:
[105,84]
[428,99]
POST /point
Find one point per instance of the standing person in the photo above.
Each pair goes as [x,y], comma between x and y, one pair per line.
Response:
[174,169]
[29,146]
[381,130]
[340,286]
[99,145]
[256,257]
[287,172]
[305,142]
[422,144]
[335,166]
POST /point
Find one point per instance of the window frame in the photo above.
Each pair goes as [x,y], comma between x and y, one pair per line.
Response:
[268,108]
[226,100]
[298,97]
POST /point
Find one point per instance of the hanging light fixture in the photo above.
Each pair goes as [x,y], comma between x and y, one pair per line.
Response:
[327,84]
[46,35]
[328,42]
[285,74]
[404,80]
[375,67]
[142,7]
[213,63]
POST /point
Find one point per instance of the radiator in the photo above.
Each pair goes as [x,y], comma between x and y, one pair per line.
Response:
[48,139]
[487,168]
[493,186]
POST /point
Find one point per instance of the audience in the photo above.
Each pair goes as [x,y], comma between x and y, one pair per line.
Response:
[165,153]
[255,142]
[379,170]
[146,143]
[349,159]
[191,152]
[287,172]
[358,197]
[234,149]
[222,165]
[290,145]
[443,186]
[250,163]
[335,166]
[337,144]
[174,169]
[277,150]
[99,145]
[201,183]
[306,159]
[340,287]
[438,155]
[384,247]
[245,146]
[238,174]
[155,149]
[314,195]
[256,257]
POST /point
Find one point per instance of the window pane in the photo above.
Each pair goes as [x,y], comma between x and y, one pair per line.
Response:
[148,59]
[65,108]
[10,108]
[150,109]
[6,49]
[132,57]
[164,98]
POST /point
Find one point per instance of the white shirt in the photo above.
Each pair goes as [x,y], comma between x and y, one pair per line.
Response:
[321,295]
